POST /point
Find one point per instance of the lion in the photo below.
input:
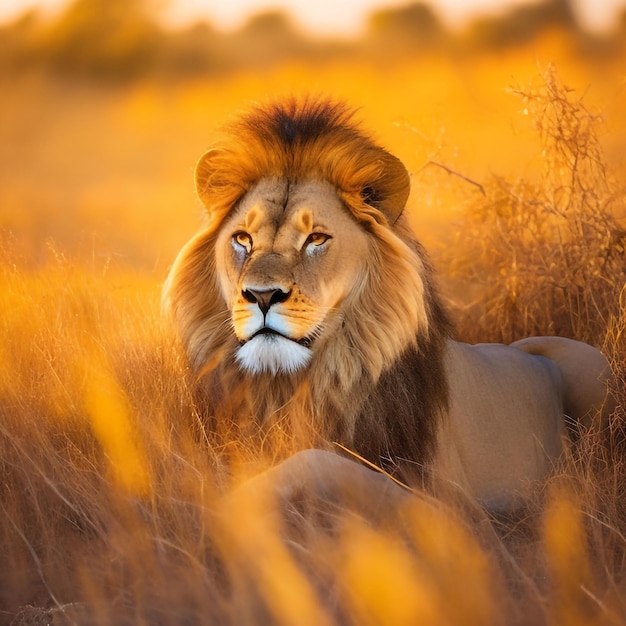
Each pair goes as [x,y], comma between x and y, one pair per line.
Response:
[310,315]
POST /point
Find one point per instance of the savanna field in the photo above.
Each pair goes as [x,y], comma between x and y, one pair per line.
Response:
[111,493]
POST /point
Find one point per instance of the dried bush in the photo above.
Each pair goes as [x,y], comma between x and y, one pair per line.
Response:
[547,258]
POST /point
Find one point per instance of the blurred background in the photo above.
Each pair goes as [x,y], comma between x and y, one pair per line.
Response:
[511,119]
[107,104]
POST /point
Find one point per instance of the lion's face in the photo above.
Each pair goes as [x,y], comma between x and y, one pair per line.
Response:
[287,258]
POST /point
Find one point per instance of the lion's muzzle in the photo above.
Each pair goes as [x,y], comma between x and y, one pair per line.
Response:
[268,343]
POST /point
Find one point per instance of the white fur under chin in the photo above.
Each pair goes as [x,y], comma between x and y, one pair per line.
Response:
[273,354]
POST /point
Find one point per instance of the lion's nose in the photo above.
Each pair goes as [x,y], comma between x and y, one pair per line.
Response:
[265,298]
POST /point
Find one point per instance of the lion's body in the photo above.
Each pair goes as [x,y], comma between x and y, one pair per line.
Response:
[308,311]
[505,421]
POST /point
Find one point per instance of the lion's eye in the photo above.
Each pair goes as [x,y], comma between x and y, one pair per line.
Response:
[243,239]
[317,239]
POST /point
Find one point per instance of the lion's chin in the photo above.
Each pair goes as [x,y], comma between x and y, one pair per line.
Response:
[271,353]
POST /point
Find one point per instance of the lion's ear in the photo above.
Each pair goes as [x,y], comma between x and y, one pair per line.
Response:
[215,185]
[204,174]
[390,192]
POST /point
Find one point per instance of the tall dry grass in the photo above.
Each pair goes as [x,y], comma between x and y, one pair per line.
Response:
[110,489]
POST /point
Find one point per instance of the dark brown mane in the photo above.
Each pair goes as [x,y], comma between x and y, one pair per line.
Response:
[406,406]
[290,123]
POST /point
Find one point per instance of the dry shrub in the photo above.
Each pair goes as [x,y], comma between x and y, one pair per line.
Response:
[547,258]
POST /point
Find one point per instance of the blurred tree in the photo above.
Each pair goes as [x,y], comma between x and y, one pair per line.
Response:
[268,37]
[620,30]
[269,26]
[16,40]
[102,38]
[411,27]
[523,23]
[196,50]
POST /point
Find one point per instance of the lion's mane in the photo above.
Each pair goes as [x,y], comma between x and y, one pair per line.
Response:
[379,387]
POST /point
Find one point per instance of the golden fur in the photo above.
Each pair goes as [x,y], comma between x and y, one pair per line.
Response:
[308,312]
